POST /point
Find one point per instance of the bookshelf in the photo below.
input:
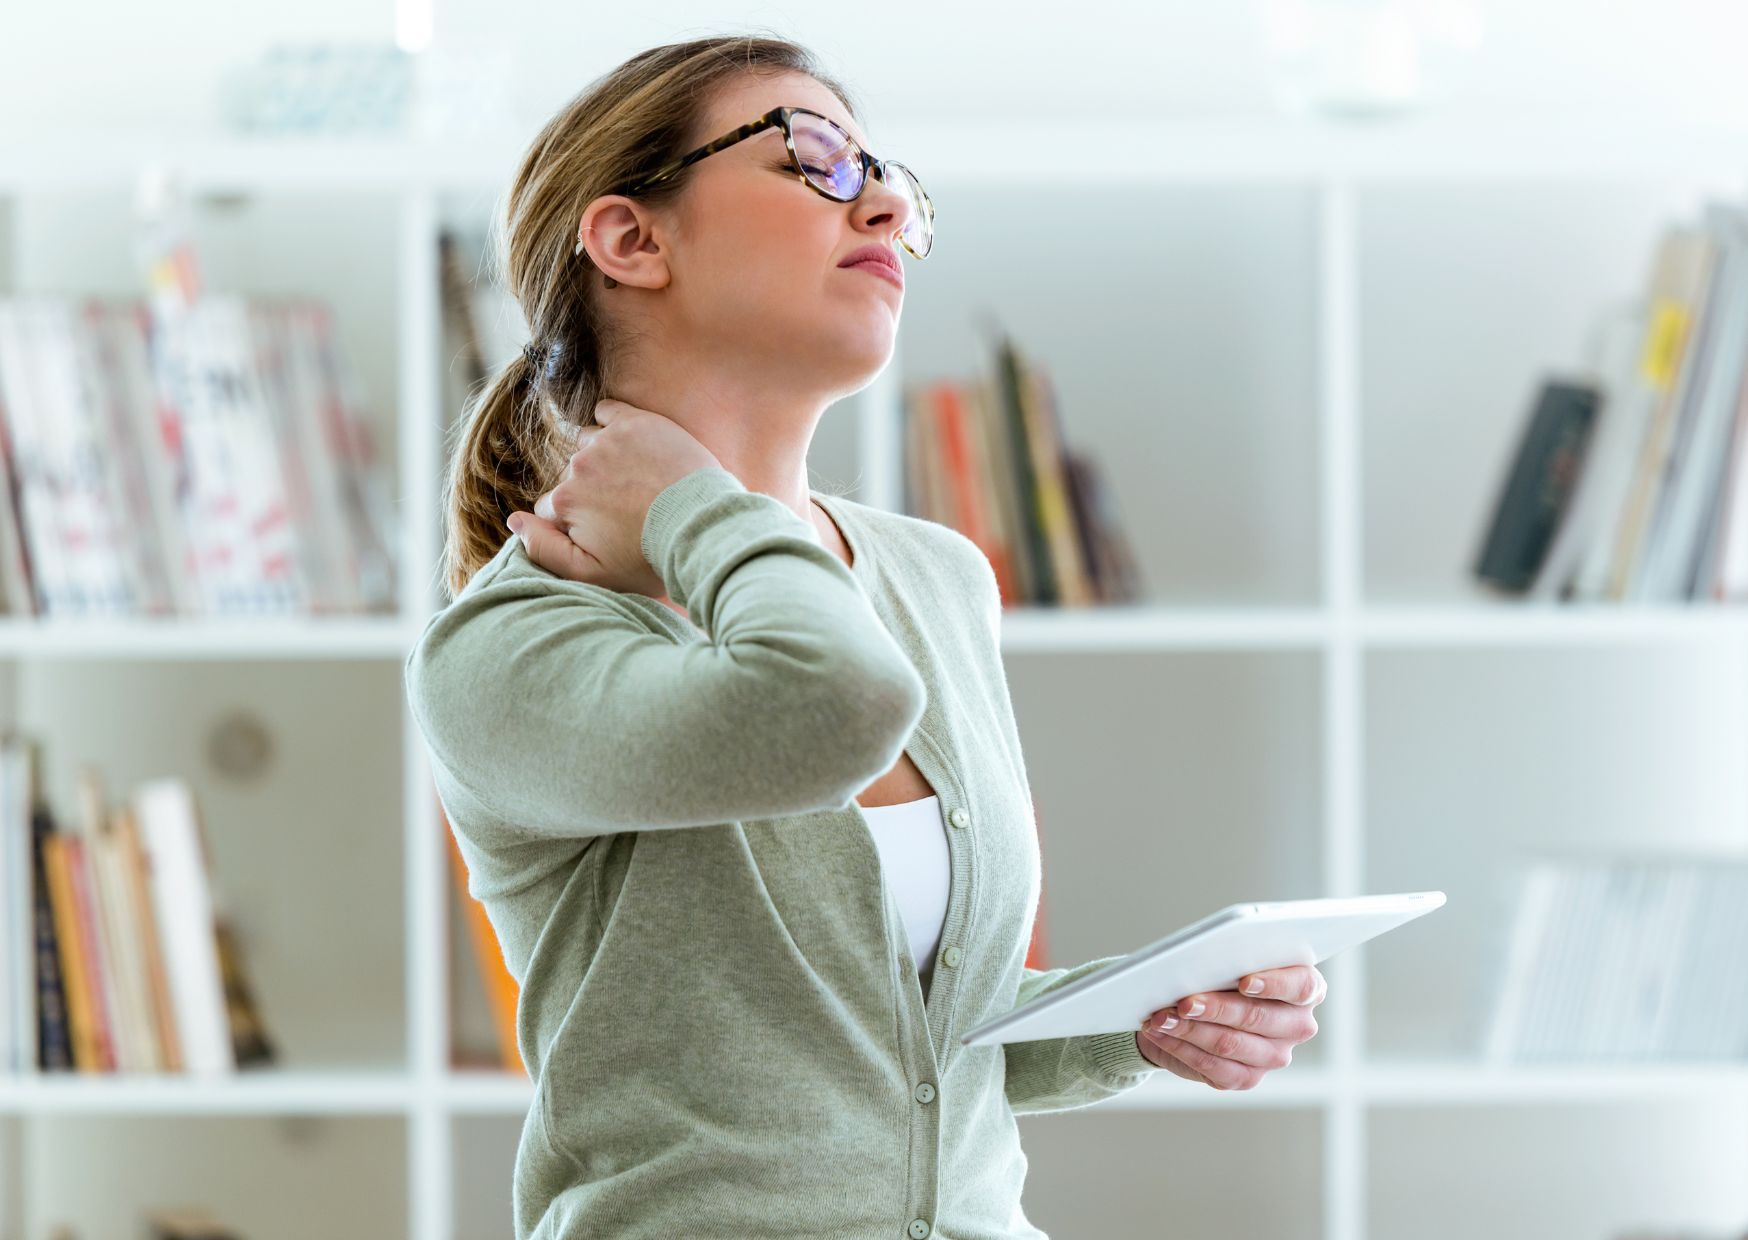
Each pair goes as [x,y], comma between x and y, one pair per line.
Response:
[1307,519]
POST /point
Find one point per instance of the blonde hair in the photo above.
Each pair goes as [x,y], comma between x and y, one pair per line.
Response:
[516,437]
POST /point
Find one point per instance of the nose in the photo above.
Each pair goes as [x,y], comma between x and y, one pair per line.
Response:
[879,204]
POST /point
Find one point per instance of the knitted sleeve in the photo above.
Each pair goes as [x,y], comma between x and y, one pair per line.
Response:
[556,710]
[1059,1074]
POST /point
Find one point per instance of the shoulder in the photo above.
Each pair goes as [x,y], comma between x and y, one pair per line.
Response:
[518,599]
[510,574]
[912,545]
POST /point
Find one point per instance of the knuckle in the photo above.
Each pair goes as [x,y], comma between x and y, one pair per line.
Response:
[1310,1027]
[1254,1017]
[1283,1056]
[1226,1045]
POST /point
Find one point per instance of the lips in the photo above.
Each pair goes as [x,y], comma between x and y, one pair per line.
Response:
[876,260]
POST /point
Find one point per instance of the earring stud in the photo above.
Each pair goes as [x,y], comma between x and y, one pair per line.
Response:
[606,280]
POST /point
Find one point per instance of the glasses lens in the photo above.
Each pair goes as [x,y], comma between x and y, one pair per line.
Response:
[832,161]
[919,230]
[829,156]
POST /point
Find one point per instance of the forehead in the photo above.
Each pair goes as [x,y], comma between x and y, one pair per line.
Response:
[752,95]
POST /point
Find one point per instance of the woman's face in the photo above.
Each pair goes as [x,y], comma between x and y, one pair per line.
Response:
[751,256]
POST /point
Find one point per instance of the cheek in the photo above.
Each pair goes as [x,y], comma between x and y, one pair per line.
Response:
[771,277]
[785,277]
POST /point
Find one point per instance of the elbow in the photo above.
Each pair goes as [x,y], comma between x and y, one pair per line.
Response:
[866,711]
[893,696]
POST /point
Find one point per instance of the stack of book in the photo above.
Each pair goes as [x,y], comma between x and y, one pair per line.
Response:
[988,458]
[1623,959]
[1630,482]
[213,463]
[117,957]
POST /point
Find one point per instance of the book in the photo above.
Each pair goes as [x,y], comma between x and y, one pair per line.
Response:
[501,990]
[1657,509]
[989,457]
[1678,326]
[120,955]
[177,864]
[1538,486]
[1603,477]
[1688,492]
[203,455]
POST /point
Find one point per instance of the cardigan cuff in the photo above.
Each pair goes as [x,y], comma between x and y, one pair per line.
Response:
[677,501]
[1119,1055]
[668,514]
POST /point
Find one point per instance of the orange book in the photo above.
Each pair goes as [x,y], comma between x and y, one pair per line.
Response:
[79,870]
[502,992]
[70,949]
[963,448]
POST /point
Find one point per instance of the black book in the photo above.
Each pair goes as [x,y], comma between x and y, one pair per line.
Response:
[1539,487]
[54,1038]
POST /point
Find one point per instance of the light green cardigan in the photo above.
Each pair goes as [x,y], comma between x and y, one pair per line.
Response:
[719,1008]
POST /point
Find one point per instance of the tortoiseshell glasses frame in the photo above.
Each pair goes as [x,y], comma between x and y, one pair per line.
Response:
[784,118]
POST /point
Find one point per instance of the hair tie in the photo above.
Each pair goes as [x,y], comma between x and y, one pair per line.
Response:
[535,355]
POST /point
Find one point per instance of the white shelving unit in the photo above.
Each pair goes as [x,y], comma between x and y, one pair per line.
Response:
[1339,627]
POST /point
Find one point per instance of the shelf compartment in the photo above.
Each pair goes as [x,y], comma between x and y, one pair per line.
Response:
[1477,760]
[270,1178]
[1558,1172]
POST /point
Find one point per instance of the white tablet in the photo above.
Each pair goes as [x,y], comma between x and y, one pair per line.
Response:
[1211,954]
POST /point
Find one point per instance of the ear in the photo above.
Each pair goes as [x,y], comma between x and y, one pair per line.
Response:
[625,239]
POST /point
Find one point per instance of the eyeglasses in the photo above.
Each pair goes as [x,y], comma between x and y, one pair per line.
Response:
[829,162]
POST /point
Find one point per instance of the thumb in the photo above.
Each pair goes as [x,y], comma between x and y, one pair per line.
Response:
[554,550]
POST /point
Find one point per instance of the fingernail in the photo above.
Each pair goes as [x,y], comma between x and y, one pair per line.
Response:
[515,523]
[1196,1008]
[1170,1022]
[1253,986]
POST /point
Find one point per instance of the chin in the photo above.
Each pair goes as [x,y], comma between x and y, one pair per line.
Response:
[857,369]
[866,363]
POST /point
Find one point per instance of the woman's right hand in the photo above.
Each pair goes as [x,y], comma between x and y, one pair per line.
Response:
[590,526]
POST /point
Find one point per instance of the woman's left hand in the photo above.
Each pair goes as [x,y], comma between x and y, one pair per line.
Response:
[1231,1040]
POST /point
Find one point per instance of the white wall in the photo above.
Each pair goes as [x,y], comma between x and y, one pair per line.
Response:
[130,67]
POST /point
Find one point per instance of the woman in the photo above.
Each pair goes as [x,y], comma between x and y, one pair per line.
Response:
[732,762]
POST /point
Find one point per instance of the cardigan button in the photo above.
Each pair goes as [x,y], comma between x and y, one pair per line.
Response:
[919,1228]
[950,957]
[958,817]
[925,1092]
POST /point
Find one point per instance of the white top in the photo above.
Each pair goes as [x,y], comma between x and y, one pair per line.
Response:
[912,839]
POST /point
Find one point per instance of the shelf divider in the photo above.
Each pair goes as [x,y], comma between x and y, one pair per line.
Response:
[1344,1138]
[430,1210]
